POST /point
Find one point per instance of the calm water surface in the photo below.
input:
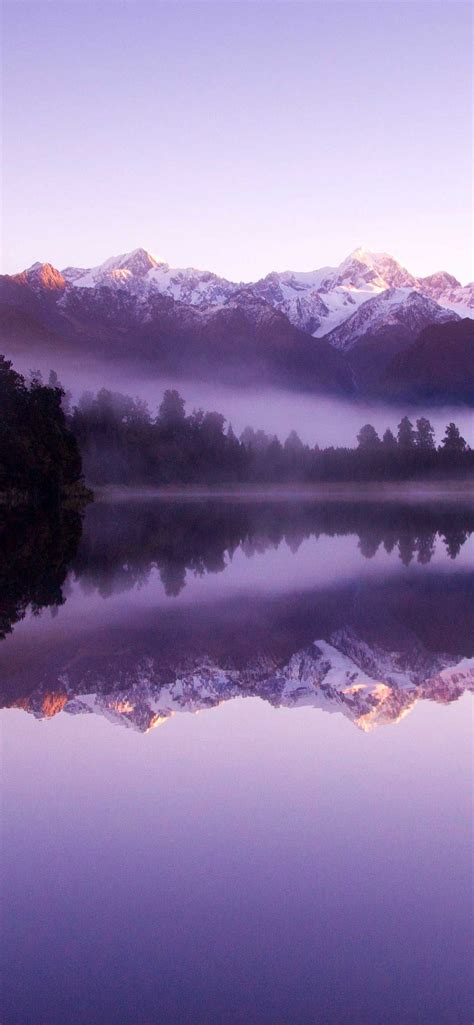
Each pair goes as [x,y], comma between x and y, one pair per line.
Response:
[237,748]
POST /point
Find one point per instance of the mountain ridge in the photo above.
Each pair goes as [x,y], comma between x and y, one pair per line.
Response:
[333,330]
[360,272]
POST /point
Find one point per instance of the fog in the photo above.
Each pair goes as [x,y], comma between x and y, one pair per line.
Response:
[317,419]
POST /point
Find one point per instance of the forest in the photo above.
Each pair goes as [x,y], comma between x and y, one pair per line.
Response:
[48,447]
[122,443]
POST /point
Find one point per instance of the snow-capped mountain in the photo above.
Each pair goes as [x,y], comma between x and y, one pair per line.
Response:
[117,271]
[321,300]
[398,308]
[369,684]
[334,330]
[315,301]
[449,293]
[142,274]
[41,277]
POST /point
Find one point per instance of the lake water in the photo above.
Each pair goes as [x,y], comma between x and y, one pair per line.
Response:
[237,745]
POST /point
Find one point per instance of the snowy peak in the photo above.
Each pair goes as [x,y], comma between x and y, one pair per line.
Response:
[143,275]
[437,284]
[42,277]
[322,300]
[137,263]
[380,270]
[448,292]
[319,301]
[395,308]
[458,298]
[117,271]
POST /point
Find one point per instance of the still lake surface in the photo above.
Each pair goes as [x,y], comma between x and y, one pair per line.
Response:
[237,746]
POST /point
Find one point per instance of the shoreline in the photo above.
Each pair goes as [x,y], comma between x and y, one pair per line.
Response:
[447,490]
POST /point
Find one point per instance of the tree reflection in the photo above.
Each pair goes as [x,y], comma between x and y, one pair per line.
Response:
[454,540]
[121,545]
[36,548]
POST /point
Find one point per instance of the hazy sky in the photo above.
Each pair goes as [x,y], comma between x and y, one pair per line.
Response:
[240,137]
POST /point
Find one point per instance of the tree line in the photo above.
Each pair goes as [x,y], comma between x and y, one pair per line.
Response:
[46,445]
[122,443]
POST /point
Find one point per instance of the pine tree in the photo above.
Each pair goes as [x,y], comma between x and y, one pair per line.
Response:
[293,443]
[171,412]
[406,434]
[424,436]
[453,440]
[389,440]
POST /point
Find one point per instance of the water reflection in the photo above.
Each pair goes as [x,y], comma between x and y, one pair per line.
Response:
[37,547]
[285,628]
[122,543]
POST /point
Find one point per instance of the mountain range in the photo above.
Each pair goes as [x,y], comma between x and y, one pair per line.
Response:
[357,329]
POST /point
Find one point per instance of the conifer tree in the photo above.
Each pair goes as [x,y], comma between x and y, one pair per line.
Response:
[406,434]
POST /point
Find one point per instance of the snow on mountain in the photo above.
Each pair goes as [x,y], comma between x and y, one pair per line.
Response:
[116,272]
[296,296]
[142,274]
[449,292]
[317,302]
[376,271]
[196,288]
[314,301]
[460,300]
[72,274]
[398,308]
[438,284]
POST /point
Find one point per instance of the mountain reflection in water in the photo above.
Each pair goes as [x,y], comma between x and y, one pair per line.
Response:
[359,607]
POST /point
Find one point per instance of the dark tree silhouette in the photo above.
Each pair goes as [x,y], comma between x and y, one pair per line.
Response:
[36,548]
[171,412]
[424,437]
[368,437]
[39,455]
[454,540]
[293,444]
[406,434]
[453,440]
[389,440]
[426,547]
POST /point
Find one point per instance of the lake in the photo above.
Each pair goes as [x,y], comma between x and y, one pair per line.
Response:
[237,745]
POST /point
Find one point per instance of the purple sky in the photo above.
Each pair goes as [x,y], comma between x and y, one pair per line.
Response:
[242,137]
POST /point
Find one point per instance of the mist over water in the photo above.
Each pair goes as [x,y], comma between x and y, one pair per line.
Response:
[318,419]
